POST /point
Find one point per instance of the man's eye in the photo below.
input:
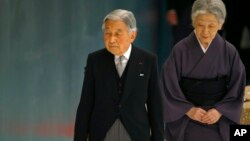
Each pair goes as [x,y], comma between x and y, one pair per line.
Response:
[118,34]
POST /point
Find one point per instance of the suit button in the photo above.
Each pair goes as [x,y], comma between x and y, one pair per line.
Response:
[120,84]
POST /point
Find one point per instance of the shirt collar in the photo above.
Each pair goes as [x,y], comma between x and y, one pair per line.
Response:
[126,54]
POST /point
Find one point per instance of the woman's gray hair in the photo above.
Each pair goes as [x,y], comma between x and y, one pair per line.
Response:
[125,16]
[215,7]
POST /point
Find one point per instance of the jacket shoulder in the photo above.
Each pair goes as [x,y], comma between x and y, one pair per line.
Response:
[144,52]
[98,52]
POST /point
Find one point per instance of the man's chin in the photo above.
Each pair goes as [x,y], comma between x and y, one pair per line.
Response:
[115,52]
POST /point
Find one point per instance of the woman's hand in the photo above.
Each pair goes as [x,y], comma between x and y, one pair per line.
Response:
[196,113]
[211,117]
[208,117]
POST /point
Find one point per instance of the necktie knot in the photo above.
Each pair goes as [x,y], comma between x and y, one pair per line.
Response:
[120,65]
[121,58]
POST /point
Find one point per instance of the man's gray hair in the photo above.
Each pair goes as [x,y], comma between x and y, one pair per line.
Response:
[215,7]
[125,16]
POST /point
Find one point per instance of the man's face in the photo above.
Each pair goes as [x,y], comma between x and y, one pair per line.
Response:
[116,37]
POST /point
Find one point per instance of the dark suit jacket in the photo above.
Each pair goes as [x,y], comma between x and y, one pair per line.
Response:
[99,107]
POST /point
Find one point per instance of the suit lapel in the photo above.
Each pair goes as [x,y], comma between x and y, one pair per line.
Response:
[110,72]
[131,74]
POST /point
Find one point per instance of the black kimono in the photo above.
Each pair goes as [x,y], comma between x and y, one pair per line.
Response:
[214,79]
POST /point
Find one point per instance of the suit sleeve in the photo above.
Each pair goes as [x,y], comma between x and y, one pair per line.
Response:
[155,108]
[85,106]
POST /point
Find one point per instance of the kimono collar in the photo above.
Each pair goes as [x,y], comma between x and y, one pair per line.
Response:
[202,47]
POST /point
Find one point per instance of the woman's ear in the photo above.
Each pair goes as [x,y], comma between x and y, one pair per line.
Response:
[220,26]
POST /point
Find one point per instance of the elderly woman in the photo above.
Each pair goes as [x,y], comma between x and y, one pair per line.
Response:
[203,80]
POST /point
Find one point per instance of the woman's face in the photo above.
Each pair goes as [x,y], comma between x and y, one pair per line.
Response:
[206,27]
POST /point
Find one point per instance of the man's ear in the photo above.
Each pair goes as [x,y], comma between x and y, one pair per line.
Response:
[133,35]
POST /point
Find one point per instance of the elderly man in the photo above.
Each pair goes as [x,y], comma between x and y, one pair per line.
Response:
[121,98]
